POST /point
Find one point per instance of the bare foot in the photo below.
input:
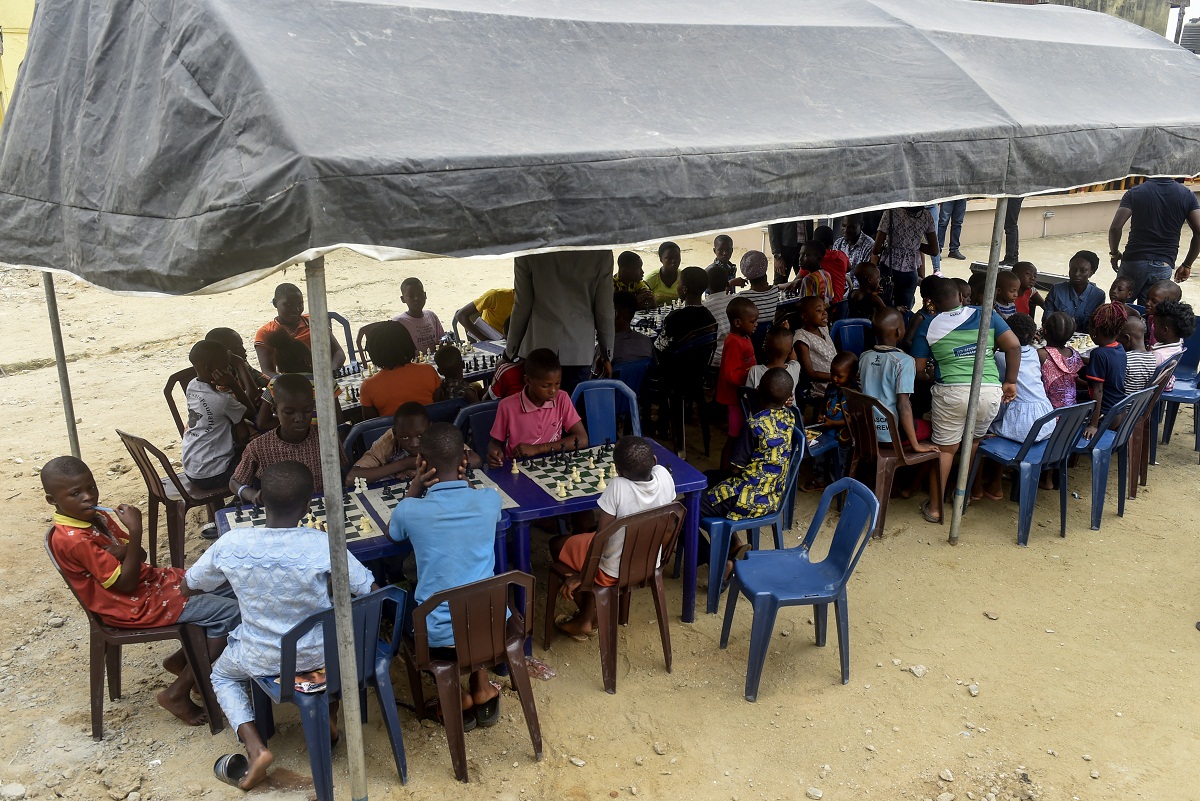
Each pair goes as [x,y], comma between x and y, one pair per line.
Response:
[175,664]
[258,769]
[182,708]
[577,626]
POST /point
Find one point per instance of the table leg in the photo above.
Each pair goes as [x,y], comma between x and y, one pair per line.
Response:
[691,545]
[501,548]
[524,559]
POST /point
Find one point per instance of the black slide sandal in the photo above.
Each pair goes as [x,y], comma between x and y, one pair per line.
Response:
[488,713]
[231,768]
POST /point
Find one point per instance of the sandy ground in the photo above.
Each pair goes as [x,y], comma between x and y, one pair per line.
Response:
[1083,649]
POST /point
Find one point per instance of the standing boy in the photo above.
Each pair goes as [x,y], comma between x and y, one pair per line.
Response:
[737,358]
[716,301]
[423,326]
[888,375]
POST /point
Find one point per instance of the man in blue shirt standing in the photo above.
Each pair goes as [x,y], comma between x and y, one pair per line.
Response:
[1156,211]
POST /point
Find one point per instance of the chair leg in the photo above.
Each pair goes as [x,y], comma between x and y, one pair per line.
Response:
[821,623]
[195,648]
[1062,498]
[1172,411]
[112,664]
[1143,454]
[1196,426]
[842,617]
[554,584]
[1137,447]
[314,720]
[883,491]
[623,607]
[1152,425]
[718,554]
[98,657]
[152,533]
[1122,472]
[415,690]
[735,589]
[1028,476]
[519,675]
[664,621]
[606,621]
[1101,461]
[264,712]
[971,475]
[391,720]
[705,432]
[176,528]
[765,608]
[450,697]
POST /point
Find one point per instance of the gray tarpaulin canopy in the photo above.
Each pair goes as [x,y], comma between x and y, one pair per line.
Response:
[182,145]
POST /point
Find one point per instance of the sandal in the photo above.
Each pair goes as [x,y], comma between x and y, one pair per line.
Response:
[928,515]
[231,769]
[468,716]
[488,713]
[209,531]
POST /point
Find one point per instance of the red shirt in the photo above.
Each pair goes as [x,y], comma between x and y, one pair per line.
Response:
[91,571]
[835,264]
[1022,301]
[737,357]
[303,332]
[509,379]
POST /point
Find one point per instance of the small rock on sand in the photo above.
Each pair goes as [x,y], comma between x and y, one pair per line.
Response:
[945,775]
[918,670]
[813,793]
[660,748]
[12,792]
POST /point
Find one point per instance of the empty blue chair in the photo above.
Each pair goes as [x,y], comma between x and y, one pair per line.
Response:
[475,421]
[363,435]
[1186,390]
[1108,440]
[852,334]
[600,408]
[771,579]
[445,411]
[374,656]
[1030,458]
[351,353]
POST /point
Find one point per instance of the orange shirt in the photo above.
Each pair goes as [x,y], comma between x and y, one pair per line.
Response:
[303,332]
[388,390]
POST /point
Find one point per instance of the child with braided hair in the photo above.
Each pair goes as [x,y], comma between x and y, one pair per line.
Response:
[1105,371]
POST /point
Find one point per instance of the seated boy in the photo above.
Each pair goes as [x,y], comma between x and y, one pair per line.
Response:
[280,575]
[629,279]
[1159,291]
[106,568]
[290,317]
[888,374]
[1140,363]
[866,298]
[509,379]
[422,324]
[777,347]
[538,419]
[449,361]
[717,301]
[1008,287]
[842,373]
[628,345]
[486,318]
[693,317]
[453,533]
[294,440]
[394,455]
[641,485]
[250,380]
[216,427]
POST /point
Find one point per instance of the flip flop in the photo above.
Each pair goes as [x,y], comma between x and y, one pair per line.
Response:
[929,518]
[488,713]
[468,717]
[209,531]
[231,768]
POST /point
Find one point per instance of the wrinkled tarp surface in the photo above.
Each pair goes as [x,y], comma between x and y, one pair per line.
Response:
[168,145]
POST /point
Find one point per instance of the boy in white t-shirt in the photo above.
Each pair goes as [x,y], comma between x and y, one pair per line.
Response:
[777,348]
[216,426]
[641,484]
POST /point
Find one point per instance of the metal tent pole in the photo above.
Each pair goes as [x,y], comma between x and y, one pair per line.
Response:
[985,328]
[60,359]
[331,474]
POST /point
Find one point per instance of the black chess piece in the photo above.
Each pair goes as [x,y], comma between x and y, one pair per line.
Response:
[240,515]
[607,445]
[470,472]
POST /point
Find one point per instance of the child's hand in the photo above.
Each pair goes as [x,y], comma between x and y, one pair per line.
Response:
[923,447]
[131,518]
[495,455]
[570,584]
[223,378]
[424,478]
[525,450]
[1010,392]
[1089,432]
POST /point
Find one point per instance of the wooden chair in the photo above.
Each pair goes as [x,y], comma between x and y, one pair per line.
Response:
[105,655]
[172,491]
[649,539]
[862,411]
[181,380]
[483,638]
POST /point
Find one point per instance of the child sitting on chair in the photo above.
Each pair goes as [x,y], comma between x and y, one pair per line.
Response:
[449,361]
[629,279]
[888,375]
[1121,291]
[280,575]
[777,348]
[538,420]
[423,326]
[813,345]
[106,568]
[1174,322]
[394,455]
[641,485]
[1140,363]
[1008,287]
[1105,371]
[250,380]
[628,345]
[452,528]
[1060,363]
[1028,299]
[842,372]
[867,298]
[216,428]
[1159,291]
[400,378]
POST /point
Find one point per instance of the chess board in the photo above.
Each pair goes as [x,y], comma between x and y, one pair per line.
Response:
[652,319]
[548,473]
[477,365]
[382,500]
[349,381]
[359,521]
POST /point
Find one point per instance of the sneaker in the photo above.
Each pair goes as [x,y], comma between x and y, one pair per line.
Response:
[1008,261]
[956,254]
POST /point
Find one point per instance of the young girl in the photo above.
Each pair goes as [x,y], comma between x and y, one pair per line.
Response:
[1060,363]
[1105,371]
[1016,417]
[399,380]
[1028,299]
[813,346]
[449,362]
[1173,323]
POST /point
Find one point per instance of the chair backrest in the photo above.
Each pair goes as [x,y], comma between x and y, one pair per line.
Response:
[647,535]
[693,353]
[851,334]
[748,400]
[478,615]
[633,374]
[1124,417]
[445,411]
[861,415]
[93,620]
[144,455]
[475,421]
[601,406]
[180,379]
[854,526]
[351,354]
[759,338]
[799,445]
[1069,422]
[1163,375]
[363,435]
[1191,355]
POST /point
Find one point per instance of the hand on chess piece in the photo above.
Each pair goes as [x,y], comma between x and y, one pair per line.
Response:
[424,478]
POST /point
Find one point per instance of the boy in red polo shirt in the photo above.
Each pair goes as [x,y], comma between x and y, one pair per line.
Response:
[539,418]
[106,568]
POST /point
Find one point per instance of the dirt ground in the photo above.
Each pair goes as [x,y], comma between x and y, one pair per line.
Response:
[1057,671]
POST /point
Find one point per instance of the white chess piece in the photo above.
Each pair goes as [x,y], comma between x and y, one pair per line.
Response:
[612,470]
[601,486]
[562,490]
[515,469]
[591,462]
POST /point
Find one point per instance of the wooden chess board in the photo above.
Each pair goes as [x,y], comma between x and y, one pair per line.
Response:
[549,473]
[359,521]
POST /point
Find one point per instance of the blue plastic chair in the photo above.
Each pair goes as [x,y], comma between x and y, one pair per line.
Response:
[1030,458]
[633,374]
[1149,434]
[771,579]
[686,386]
[759,338]
[1185,392]
[851,334]
[475,421]
[445,411]
[363,435]
[374,656]
[1108,440]
[720,530]
[351,353]
[600,408]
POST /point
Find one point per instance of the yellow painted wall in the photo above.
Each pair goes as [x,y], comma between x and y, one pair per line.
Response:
[15,16]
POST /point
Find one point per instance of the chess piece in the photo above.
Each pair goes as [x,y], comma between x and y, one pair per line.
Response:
[592,462]
[240,515]
[602,486]
[575,474]
[570,485]
[612,470]
[562,490]
[515,469]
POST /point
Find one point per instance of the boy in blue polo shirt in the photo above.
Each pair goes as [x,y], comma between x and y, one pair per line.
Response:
[452,529]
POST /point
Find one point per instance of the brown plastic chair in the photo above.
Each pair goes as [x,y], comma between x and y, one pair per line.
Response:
[647,534]
[174,492]
[482,639]
[180,379]
[1139,442]
[105,652]
[860,414]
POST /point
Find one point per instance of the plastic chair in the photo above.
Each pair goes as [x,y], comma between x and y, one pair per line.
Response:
[104,651]
[861,411]
[1186,391]
[689,363]
[721,530]
[181,380]
[1113,435]
[600,408]
[788,578]
[350,351]
[482,639]
[445,411]
[649,537]
[1030,458]
[758,339]
[475,421]
[172,491]
[633,374]
[852,334]
[374,657]
[363,435]
[1148,434]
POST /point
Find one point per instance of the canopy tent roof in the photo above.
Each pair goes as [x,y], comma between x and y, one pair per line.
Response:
[191,145]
